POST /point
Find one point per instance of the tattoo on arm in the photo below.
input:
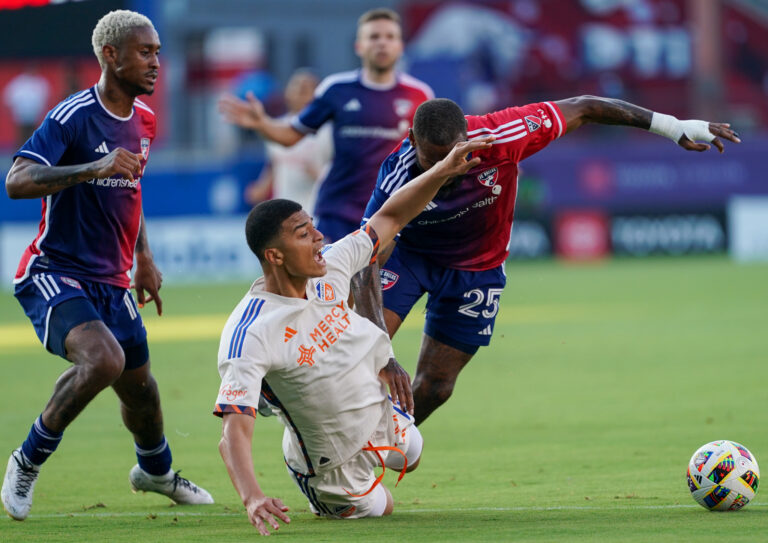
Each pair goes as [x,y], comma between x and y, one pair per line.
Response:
[59,177]
[366,289]
[613,111]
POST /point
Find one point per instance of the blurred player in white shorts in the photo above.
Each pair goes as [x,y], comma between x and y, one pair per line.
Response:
[321,367]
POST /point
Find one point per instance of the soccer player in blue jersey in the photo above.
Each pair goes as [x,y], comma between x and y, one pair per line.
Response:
[371,110]
[455,249]
[86,161]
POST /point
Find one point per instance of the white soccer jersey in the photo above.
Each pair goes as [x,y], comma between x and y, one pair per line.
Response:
[314,359]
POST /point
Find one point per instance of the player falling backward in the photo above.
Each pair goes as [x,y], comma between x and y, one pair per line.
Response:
[293,340]
[456,247]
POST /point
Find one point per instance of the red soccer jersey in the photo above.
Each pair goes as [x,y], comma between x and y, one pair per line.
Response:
[468,226]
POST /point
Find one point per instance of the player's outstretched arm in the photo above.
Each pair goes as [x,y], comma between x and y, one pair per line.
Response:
[235,449]
[250,114]
[30,179]
[687,134]
[411,199]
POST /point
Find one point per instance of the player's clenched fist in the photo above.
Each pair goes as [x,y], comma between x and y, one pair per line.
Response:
[119,162]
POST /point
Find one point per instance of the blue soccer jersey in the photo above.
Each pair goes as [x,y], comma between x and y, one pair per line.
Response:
[88,230]
[368,122]
[467,226]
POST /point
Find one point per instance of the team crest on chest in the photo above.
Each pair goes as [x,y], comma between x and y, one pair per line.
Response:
[325,291]
[145,148]
[488,177]
[402,107]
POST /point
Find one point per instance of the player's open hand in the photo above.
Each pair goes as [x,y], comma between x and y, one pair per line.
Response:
[399,383]
[244,113]
[712,133]
[119,162]
[147,278]
[262,511]
[457,162]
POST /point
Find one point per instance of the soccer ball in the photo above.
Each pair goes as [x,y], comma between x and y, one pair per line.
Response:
[723,476]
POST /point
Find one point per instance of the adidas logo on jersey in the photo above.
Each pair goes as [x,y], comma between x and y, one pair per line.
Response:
[353,105]
[289,333]
[430,206]
[487,331]
[102,148]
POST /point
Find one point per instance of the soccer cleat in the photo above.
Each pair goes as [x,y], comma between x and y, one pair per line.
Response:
[181,490]
[19,485]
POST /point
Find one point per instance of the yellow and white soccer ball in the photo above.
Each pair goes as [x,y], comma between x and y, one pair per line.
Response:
[723,476]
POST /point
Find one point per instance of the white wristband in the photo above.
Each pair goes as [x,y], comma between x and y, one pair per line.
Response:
[666,125]
[671,127]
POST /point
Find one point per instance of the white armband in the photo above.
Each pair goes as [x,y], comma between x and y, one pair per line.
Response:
[671,127]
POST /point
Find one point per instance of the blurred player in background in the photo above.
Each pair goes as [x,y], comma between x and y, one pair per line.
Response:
[456,248]
[86,161]
[371,110]
[292,172]
[293,340]
[26,95]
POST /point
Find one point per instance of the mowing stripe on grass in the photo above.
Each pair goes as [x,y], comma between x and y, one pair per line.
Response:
[400,511]
[21,337]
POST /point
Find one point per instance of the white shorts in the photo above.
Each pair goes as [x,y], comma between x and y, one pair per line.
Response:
[326,491]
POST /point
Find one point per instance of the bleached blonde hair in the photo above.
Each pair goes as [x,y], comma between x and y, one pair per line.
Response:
[114,27]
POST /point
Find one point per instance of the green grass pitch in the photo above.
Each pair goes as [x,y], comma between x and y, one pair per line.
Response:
[575,425]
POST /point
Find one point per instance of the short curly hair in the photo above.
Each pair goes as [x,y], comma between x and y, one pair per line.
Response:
[114,27]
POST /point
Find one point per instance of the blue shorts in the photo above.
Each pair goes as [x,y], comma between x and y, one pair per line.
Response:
[461,307]
[335,228]
[56,304]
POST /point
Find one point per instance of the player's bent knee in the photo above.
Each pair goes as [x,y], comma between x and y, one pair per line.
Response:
[102,363]
[386,504]
[414,443]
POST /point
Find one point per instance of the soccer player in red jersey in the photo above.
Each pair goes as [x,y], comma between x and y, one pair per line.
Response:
[456,248]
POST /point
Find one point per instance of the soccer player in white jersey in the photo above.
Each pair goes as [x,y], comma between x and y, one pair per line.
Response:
[293,340]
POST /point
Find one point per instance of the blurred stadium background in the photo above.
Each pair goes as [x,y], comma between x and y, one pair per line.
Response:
[599,192]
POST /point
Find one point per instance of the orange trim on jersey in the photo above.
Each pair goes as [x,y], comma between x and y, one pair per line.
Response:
[222,408]
[368,229]
[376,450]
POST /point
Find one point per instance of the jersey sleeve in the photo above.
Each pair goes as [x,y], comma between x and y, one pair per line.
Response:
[393,173]
[316,113]
[353,252]
[48,143]
[242,374]
[519,131]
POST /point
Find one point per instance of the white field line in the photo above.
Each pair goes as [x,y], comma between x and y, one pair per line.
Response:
[125,514]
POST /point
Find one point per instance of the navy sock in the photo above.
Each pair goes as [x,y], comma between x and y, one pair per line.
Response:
[155,460]
[41,442]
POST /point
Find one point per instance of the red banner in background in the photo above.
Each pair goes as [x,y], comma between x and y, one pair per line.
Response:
[496,53]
